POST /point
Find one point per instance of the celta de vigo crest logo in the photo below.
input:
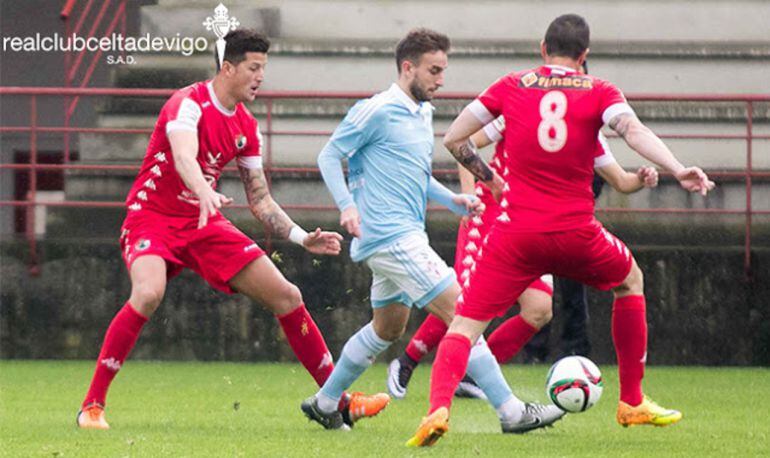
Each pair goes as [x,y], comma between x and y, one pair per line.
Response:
[221,24]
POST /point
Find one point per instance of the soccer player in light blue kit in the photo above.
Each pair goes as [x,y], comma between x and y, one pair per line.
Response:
[388,142]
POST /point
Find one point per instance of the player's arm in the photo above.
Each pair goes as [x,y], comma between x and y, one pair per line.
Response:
[184,149]
[458,141]
[467,180]
[272,216]
[460,204]
[627,182]
[642,140]
[330,164]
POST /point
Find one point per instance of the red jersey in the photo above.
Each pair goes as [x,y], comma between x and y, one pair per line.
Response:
[222,136]
[552,120]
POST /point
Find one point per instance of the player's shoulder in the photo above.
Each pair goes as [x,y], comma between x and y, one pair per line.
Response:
[371,109]
[191,93]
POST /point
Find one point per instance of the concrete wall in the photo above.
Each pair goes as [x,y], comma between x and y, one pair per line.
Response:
[700,308]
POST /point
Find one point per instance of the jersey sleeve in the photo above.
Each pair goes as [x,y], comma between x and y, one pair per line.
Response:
[363,124]
[182,113]
[251,158]
[489,105]
[604,154]
[612,102]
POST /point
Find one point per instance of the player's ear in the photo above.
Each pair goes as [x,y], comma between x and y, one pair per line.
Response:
[582,58]
[543,51]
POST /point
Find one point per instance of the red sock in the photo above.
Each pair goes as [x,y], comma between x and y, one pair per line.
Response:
[427,337]
[509,338]
[118,342]
[307,342]
[629,332]
[448,369]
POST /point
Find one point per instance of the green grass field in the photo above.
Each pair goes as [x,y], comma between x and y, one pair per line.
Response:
[216,409]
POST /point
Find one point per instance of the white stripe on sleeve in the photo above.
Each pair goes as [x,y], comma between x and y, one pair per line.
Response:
[614,110]
[250,162]
[480,111]
[607,157]
[186,118]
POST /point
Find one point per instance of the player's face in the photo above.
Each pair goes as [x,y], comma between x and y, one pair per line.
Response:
[248,76]
[428,75]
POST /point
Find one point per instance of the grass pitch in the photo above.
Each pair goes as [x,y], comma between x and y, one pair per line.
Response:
[220,409]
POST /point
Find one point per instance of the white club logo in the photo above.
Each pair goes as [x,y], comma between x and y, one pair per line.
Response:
[220,24]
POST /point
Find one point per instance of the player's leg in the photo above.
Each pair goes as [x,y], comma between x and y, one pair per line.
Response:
[536,303]
[263,283]
[387,325]
[599,259]
[629,334]
[148,284]
[432,329]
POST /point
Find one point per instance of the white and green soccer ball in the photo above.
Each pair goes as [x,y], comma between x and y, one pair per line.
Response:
[574,384]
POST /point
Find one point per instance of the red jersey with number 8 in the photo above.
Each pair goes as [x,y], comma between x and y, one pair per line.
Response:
[552,119]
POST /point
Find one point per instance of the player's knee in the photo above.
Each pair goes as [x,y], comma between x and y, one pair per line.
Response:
[390,331]
[146,298]
[537,314]
[289,299]
[634,282]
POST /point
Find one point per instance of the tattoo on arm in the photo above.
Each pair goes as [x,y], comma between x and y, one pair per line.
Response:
[262,205]
[621,123]
[467,156]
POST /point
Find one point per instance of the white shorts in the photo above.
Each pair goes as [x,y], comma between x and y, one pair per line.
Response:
[408,272]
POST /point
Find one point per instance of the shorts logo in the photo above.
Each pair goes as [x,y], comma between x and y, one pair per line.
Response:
[240,141]
[142,245]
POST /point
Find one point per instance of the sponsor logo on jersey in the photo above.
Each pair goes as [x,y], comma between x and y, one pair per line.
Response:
[579,82]
[529,79]
[240,141]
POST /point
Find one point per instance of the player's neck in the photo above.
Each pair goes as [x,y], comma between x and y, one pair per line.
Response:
[224,98]
[562,62]
[405,87]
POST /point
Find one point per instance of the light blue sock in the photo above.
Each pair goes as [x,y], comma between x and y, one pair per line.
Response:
[358,354]
[484,370]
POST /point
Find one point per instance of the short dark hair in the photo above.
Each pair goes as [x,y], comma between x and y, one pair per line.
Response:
[567,36]
[418,42]
[239,42]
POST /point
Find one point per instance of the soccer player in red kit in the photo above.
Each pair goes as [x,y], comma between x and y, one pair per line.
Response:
[173,221]
[552,115]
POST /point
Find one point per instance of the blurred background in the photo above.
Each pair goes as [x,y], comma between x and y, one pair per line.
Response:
[74,127]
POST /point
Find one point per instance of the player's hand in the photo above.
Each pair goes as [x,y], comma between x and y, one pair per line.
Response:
[496,185]
[471,203]
[322,242]
[694,179]
[210,202]
[648,176]
[351,221]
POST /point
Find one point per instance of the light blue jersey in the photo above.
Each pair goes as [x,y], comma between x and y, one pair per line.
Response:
[388,141]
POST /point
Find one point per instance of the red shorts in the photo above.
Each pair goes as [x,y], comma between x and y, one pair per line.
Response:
[470,238]
[217,252]
[510,261]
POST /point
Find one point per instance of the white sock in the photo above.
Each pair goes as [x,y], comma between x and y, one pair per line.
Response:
[511,410]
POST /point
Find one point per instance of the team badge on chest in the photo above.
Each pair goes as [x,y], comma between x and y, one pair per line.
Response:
[240,141]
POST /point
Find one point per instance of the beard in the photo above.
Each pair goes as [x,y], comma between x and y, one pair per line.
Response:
[420,94]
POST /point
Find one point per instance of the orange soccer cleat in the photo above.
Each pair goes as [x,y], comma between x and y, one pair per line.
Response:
[362,406]
[646,413]
[92,417]
[431,429]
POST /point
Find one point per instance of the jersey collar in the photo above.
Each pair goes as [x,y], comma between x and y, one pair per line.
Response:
[215,101]
[405,100]
[560,69]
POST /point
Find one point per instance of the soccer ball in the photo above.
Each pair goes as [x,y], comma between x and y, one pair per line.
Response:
[574,384]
